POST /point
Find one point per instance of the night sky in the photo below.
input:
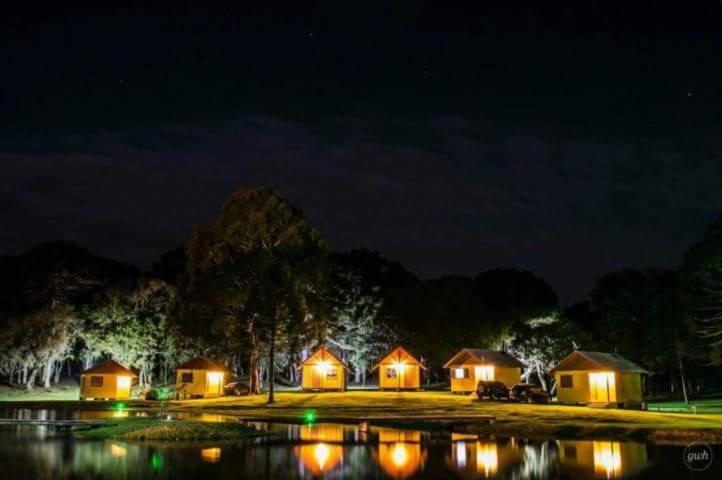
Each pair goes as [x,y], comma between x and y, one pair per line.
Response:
[567,139]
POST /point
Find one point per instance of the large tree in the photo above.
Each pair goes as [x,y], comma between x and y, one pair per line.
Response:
[256,274]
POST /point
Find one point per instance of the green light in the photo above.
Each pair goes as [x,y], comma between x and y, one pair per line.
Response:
[119,407]
[156,461]
[309,416]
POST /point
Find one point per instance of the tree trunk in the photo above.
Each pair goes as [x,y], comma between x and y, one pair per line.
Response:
[31,379]
[363,377]
[25,374]
[681,372]
[272,362]
[58,369]
[540,375]
[48,373]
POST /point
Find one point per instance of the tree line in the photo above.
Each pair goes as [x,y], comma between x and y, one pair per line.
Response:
[259,288]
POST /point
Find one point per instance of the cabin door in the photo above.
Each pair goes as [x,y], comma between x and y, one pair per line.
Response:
[315,377]
[408,373]
[602,388]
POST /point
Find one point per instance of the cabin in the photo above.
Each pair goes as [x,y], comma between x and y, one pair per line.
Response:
[399,370]
[200,377]
[323,371]
[598,379]
[472,365]
[106,381]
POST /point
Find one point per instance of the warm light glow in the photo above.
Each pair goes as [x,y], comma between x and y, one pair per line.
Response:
[607,459]
[322,366]
[117,450]
[487,459]
[124,383]
[458,373]
[215,378]
[398,455]
[398,366]
[602,387]
[321,453]
[461,454]
[211,455]
[120,413]
[484,373]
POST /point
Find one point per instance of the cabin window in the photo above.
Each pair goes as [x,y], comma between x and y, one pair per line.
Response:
[461,373]
[187,377]
[96,381]
[391,373]
[566,381]
[332,373]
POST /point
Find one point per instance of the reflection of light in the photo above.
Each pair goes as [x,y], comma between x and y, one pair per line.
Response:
[117,450]
[120,413]
[461,454]
[486,458]
[607,459]
[458,373]
[321,453]
[398,455]
[211,455]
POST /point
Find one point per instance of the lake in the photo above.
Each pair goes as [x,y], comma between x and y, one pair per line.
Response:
[328,451]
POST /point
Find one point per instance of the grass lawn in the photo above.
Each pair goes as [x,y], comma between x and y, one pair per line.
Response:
[158,429]
[18,394]
[699,406]
[394,406]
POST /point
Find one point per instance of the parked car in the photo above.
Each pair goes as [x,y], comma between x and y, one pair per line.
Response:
[525,392]
[492,390]
[236,388]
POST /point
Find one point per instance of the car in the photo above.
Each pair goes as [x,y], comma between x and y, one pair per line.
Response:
[492,390]
[236,389]
[526,392]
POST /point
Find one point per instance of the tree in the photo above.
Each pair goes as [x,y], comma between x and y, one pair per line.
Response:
[259,270]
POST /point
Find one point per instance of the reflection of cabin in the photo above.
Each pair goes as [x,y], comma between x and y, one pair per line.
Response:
[598,379]
[399,370]
[317,459]
[108,380]
[200,377]
[323,371]
[607,459]
[400,453]
[472,457]
[472,365]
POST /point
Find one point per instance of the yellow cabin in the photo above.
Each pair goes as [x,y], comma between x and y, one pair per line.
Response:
[106,381]
[598,379]
[602,458]
[200,377]
[472,365]
[399,370]
[323,371]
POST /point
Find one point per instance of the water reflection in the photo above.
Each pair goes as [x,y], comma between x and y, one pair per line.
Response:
[603,459]
[400,453]
[320,450]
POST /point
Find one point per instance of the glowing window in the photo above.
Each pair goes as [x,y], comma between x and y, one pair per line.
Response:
[484,373]
[332,373]
[461,373]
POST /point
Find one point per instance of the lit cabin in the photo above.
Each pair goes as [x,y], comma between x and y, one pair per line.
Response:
[323,371]
[399,370]
[200,377]
[472,365]
[108,380]
[598,379]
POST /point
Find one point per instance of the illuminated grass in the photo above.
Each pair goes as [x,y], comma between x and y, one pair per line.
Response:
[355,405]
[157,429]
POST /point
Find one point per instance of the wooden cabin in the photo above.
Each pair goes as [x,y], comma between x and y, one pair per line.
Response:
[200,377]
[399,370]
[106,381]
[471,365]
[323,371]
[598,379]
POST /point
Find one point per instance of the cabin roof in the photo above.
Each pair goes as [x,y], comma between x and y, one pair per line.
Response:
[398,355]
[202,363]
[578,360]
[110,367]
[323,354]
[480,356]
